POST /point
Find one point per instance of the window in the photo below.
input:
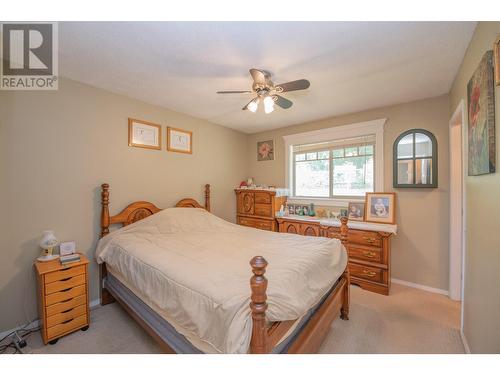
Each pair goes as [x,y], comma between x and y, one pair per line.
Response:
[336,169]
[335,165]
[415,159]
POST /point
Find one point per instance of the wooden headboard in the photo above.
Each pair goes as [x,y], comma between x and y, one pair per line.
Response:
[139,210]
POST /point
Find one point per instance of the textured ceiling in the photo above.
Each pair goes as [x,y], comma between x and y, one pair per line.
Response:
[352,66]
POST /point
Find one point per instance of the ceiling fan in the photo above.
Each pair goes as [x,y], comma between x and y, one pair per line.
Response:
[268,92]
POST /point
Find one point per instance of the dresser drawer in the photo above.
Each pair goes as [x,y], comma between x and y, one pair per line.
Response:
[66,305]
[367,272]
[64,274]
[362,237]
[369,253]
[262,198]
[63,284]
[50,299]
[66,315]
[263,209]
[256,223]
[71,325]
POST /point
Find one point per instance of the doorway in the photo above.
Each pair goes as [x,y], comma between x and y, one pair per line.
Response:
[457,204]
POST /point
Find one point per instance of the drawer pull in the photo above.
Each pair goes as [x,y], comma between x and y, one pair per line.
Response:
[66,279]
[66,300]
[66,311]
[369,254]
[67,289]
[369,239]
[369,273]
[67,321]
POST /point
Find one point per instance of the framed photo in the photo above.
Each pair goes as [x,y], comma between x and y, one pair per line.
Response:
[496,53]
[265,150]
[380,207]
[356,211]
[481,115]
[144,134]
[179,140]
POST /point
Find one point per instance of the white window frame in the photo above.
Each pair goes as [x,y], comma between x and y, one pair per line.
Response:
[360,129]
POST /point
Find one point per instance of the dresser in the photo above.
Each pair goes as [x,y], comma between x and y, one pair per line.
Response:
[62,298]
[369,247]
[257,208]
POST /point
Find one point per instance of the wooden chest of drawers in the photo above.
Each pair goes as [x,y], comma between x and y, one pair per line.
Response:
[369,251]
[62,298]
[257,208]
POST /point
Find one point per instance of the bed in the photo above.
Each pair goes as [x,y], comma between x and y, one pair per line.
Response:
[182,274]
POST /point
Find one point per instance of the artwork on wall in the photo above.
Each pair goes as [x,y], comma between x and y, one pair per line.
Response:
[144,134]
[496,52]
[380,207]
[265,150]
[356,211]
[179,140]
[481,115]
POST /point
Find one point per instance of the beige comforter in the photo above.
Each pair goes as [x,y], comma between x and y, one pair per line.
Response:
[194,268]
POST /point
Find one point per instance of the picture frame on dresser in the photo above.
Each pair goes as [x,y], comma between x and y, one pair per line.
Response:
[380,208]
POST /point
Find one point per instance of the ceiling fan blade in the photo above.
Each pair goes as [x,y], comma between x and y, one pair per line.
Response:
[282,102]
[233,92]
[259,76]
[300,84]
[251,101]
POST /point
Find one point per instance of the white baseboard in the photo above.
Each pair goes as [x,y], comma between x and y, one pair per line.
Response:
[36,323]
[464,342]
[419,286]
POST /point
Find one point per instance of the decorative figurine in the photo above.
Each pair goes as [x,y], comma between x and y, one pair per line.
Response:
[311,210]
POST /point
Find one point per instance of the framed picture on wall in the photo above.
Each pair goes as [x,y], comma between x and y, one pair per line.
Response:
[179,140]
[144,134]
[265,150]
[380,207]
[481,114]
[496,52]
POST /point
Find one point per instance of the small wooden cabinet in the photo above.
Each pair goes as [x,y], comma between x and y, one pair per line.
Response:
[257,208]
[369,251]
[62,298]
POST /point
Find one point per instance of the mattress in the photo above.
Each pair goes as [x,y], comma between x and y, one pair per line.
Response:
[193,268]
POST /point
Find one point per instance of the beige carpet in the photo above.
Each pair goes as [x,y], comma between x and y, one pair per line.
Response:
[407,321]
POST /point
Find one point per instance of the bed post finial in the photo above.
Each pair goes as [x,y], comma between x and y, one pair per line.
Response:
[343,230]
[104,210]
[258,285]
[207,197]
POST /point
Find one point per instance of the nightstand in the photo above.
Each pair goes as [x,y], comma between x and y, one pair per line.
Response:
[63,298]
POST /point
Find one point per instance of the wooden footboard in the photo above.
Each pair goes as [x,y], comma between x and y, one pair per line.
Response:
[316,329]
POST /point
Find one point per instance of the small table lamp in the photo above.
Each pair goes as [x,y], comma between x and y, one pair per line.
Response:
[47,243]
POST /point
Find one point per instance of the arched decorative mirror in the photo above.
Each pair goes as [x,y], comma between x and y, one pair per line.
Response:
[415,160]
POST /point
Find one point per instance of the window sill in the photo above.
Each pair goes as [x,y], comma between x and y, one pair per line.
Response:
[335,202]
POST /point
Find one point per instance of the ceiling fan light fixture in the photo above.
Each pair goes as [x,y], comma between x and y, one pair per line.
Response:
[253,105]
[268,104]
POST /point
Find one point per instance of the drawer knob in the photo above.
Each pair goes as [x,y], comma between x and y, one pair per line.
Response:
[369,254]
[369,273]
[369,239]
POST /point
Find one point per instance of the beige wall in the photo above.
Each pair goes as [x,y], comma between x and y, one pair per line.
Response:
[420,250]
[56,148]
[482,270]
